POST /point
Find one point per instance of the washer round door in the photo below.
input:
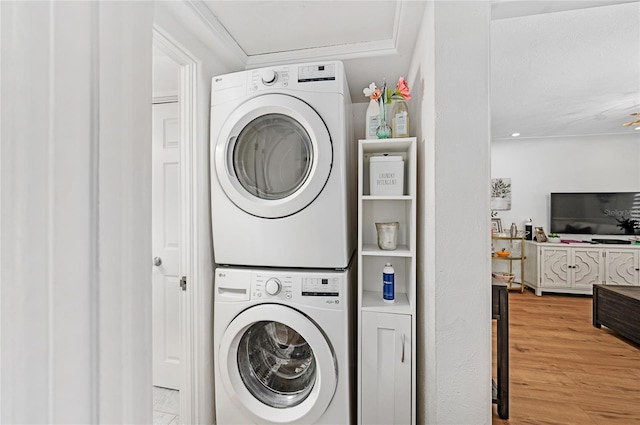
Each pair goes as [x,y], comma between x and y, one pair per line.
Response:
[273,156]
[278,364]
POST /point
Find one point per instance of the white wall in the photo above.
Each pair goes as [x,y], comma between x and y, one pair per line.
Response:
[449,77]
[75,304]
[538,167]
[75,231]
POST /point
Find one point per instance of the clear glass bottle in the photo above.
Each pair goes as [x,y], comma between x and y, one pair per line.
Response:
[384,130]
[372,118]
[400,119]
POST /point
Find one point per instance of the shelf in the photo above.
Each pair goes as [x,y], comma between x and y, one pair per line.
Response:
[372,301]
[495,257]
[373,250]
[387,198]
[400,145]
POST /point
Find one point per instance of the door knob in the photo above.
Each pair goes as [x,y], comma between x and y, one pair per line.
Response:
[157,261]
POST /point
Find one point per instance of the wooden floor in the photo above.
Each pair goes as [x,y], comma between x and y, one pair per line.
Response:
[565,371]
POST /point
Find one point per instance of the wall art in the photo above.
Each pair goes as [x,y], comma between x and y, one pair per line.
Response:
[501,194]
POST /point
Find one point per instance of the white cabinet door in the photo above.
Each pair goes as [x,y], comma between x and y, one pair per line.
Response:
[621,267]
[386,368]
[585,268]
[554,267]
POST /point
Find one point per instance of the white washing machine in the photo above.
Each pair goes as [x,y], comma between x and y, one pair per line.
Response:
[282,343]
[283,187]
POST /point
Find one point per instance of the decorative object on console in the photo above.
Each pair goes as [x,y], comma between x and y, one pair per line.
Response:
[528,227]
[501,194]
[513,230]
[496,225]
[553,238]
[540,235]
[503,253]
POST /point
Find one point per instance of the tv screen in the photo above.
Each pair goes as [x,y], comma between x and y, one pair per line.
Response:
[613,213]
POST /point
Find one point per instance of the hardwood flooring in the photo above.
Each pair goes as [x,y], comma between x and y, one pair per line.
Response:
[565,371]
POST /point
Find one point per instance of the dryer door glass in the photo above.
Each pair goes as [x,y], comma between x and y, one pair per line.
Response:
[276,364]
[272,156]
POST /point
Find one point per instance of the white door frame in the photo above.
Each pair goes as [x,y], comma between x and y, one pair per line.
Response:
[189,225]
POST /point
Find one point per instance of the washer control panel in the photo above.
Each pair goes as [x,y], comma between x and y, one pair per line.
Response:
[320,287]
[326,289]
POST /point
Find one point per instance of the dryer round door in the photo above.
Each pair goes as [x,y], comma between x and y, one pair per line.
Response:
[273,156]
[278,365]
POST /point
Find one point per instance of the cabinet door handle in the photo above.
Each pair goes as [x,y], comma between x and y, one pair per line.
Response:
[402,358]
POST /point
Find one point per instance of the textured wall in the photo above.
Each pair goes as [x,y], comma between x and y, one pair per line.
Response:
[538,167]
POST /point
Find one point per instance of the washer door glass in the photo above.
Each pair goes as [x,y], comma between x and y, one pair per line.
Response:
[276,364]
[272,157]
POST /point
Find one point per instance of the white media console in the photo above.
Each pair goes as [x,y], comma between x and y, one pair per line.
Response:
[574,268]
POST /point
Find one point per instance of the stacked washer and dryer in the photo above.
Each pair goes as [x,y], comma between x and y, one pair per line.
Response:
[283,219]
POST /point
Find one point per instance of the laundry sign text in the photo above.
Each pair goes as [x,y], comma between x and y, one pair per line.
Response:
[386,175]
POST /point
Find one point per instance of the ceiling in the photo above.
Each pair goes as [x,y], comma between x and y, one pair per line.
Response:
[566,73]
[558,68]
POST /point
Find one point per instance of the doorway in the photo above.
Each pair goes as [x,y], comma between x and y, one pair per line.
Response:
[165,224]
[173,115]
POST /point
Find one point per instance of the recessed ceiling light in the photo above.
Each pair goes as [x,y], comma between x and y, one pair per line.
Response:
[637,128]
[515,134]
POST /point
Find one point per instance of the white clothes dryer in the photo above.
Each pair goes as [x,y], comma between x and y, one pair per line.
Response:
[282,167]
[283,341]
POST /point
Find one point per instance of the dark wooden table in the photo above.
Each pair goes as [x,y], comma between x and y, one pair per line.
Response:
[500,312]
[618,308]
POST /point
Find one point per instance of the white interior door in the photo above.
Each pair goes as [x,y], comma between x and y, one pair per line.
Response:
[166,245]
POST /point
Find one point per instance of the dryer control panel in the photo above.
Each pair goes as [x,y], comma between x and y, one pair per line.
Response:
[267,78]
[316,77]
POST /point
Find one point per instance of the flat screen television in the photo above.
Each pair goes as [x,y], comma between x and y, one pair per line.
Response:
[595,213]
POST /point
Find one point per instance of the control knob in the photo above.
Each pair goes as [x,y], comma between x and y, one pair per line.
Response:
[273,286]
[269,77]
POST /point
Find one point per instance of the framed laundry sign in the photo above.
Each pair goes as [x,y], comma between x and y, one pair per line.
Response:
[501,194]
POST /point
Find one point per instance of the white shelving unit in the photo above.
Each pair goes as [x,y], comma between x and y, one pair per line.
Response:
[387,332]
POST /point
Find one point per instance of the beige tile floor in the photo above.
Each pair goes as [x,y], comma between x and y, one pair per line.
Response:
[166,406]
